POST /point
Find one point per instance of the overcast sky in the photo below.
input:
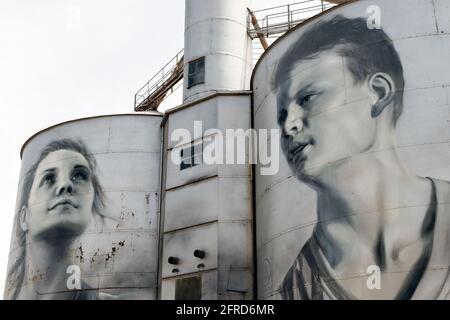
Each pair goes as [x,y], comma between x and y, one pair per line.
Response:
[62,60]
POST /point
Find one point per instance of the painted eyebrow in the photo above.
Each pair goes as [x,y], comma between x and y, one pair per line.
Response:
[44,173]
[302,91]
[82,167]
[50,170]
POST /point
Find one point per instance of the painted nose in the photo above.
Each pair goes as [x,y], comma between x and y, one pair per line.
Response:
[294,120]
[65,188]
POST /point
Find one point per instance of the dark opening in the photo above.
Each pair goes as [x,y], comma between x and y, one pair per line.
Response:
[196,72]
[188,288]
[192,155]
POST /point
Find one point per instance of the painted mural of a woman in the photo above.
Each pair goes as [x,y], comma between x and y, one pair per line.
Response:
[60,195]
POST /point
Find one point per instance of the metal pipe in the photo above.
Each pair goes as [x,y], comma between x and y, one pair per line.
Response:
[161,207]
[260,35]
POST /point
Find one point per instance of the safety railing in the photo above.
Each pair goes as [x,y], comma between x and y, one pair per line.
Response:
[277,20]
[160,85]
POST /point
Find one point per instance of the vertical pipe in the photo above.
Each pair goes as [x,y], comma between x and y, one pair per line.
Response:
[289,16]
[162,193]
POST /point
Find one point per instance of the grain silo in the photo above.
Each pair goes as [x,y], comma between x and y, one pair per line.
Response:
[359,208]
[87,215]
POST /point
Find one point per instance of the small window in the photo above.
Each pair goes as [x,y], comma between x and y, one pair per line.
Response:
[196,72]
[192,155]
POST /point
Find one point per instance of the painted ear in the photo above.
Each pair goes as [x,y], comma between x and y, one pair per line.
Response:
[383,86]
[23,218]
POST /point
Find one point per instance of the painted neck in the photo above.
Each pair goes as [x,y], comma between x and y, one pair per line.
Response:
[46,266]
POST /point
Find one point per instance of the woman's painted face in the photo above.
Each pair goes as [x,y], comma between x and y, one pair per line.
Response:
[61,196]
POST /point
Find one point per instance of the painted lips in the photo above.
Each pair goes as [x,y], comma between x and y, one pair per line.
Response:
[65,202]
[298,150]
[297,153]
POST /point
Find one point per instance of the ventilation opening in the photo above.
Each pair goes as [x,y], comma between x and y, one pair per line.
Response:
[188,288]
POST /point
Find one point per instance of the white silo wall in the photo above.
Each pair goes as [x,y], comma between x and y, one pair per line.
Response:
[288,207]
[116,255]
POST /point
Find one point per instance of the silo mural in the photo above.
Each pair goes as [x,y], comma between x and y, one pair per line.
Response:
[87,215]
[360,208]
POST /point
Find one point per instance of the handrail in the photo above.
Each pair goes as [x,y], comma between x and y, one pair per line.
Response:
[282,18]
[166,73]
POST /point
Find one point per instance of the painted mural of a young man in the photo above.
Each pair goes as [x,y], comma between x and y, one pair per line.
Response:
[339,96]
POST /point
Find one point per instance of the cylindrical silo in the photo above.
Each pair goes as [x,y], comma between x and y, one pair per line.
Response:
[359,208]
[87,217]
[217,48]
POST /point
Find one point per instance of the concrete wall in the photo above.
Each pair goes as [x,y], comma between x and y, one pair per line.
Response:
[208,207]
[112,255]
[361,188]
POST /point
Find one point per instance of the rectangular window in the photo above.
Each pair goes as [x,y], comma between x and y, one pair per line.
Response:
[191,155]
[196,72]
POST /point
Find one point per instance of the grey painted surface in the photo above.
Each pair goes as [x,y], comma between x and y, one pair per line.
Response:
[286,208]
[194,206]
[117,254]
[208,207]
[181,244]
[205,111]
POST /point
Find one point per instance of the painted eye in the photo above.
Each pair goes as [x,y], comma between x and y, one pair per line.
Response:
[80,176]
[306,100]
[48,179]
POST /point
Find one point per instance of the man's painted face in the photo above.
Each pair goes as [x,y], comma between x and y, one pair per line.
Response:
[61,196]
[325,115]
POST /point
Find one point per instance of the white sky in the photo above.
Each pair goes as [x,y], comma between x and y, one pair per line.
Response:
[62,60]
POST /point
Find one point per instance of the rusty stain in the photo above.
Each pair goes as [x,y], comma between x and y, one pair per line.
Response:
[93,257]
[81,254]
[113,252]
[36,277]
[147,198]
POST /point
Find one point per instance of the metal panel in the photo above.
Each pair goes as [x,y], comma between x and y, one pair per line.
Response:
[177,177]
[234,114]
[125,166]
[206,112]
[234,199]
[425,73]
[143,133]
[182,244]
[191,205]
